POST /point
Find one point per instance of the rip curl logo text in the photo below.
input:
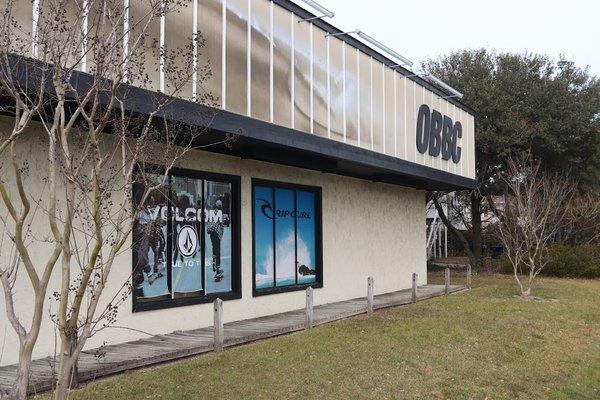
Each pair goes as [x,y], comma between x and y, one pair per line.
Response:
[267,210]
[438,134]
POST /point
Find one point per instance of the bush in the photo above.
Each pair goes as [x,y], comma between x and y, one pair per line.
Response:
[582,261]
[502,265]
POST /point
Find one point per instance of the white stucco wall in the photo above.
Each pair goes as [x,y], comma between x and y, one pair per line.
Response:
[369,229]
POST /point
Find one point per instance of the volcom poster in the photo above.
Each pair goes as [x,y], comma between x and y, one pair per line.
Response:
[284,237]
[150,243]
[217,222]
[186,198]
[183,239]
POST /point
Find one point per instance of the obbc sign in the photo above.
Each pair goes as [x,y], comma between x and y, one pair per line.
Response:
[438,134]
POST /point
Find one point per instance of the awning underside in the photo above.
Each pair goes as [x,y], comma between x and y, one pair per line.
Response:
[263,141]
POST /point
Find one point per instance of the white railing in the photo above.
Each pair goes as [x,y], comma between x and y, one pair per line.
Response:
[437,235]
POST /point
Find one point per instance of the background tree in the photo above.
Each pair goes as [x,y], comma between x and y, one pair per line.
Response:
[583,220]
[535,211]
[525,103]
[96,150]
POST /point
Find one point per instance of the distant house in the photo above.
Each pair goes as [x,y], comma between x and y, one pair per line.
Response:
[459,216]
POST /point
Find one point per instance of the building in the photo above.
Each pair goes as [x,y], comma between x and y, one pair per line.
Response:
[324,186]
[458,213]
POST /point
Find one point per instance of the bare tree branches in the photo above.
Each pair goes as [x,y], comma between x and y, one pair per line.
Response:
[534,214]
[96,151]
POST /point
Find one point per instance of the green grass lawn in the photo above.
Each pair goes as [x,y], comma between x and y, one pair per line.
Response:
[482,344]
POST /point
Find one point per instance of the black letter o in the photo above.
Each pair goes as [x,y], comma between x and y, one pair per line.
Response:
[423,126]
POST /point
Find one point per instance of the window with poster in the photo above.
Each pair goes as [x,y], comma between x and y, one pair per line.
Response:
[186,239]
[287,237]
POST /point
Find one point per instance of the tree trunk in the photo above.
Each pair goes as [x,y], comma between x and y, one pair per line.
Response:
[67,371]
[63,382]
[19,388]
[476,201]
[526,292]
[457,234]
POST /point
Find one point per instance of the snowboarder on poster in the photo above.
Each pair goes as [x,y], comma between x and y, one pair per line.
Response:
[214,228]
[150,239]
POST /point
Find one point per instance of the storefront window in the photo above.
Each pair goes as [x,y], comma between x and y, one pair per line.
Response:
[185,240]
[287,237]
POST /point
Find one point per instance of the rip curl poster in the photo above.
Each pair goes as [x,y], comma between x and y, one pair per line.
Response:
[284,237]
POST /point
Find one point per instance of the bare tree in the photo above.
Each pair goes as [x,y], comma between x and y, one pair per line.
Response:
[96,148]
[534,214]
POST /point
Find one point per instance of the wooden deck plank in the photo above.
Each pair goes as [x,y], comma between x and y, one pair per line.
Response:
[96,363]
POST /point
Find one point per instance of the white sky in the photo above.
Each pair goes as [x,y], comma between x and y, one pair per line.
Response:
[422,29]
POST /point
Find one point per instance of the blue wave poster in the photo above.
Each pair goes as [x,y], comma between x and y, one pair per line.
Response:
[263,237]
[306,229]
[284,237]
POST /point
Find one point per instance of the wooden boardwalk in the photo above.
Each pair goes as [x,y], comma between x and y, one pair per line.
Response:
[161,348]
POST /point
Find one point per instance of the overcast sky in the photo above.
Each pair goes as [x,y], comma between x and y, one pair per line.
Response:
[423,29]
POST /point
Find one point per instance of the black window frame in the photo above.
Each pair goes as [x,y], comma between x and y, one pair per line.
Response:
[318,192]
[236,265]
